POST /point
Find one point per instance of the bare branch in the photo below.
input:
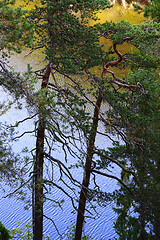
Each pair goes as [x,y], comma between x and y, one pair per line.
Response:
[67,194]
[62,164]
[26,132]
[54,201]
[34,49]
[25,119]
[116,162]
[114,177]
[54,225]
[17,189]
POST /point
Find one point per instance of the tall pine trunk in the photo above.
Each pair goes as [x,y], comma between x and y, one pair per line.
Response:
[37,194]
[87,169]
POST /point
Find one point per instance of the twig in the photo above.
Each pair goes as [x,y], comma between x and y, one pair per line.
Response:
[54,225]
[114,177]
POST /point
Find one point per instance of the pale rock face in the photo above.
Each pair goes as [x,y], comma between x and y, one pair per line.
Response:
[124,3]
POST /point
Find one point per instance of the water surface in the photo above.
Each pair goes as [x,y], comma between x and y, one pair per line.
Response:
[12,210]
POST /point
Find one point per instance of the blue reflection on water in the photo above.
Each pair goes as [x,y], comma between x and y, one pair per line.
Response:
[12,210]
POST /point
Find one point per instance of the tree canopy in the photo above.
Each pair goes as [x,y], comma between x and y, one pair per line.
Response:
[63,119]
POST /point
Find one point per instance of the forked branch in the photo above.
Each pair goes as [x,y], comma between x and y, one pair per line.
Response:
[118,81]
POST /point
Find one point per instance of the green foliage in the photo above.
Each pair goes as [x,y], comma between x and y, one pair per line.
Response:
[136,116]
[4,233]
[61,30]
[151,10]
[71,45]
[71,232]
[24,231]
[8,162]
[15,30]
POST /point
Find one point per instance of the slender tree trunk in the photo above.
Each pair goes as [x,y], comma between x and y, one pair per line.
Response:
[37,194]
[87,170]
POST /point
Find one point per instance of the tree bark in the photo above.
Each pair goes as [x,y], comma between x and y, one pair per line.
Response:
[87,170]
[90,149]
[37,194]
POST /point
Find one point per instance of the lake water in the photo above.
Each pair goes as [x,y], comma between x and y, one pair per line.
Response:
[12,210]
